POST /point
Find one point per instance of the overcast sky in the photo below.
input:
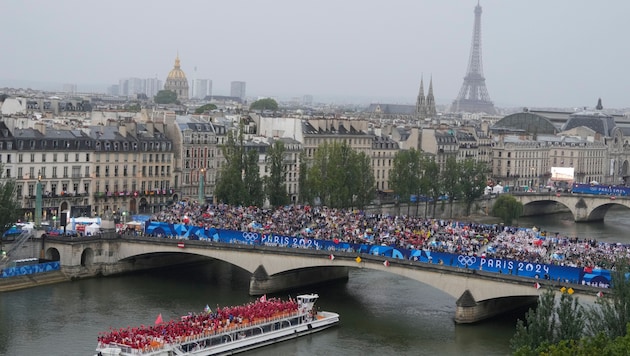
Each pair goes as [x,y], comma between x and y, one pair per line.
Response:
[536,53]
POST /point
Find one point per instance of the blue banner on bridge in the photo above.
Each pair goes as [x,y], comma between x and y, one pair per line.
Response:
[599,278]
[30,269]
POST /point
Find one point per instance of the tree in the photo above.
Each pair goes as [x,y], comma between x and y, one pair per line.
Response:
[472,182]
[230,188]
[264,104]
[431,181]
[204,108]
[304,196]
[451,180]
[538,328]
[611,315]
[275,186]
[365,182]
[404,178]
[166,97]
[336,176]
[507,208]
[10,207]
[254,193]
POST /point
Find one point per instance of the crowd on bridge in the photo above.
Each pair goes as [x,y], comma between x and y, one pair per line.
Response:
[440,235]
[194,326]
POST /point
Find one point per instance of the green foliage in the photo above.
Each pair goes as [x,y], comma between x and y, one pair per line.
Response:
[507,208]
[165,97]
[205,108]
[404,178]
[305,193]
[473,181]
[264,104]
[611,314]
[10,207]
[275,187]
[239,181]
[134,107]
[451,178]
[602,329]
[340,177]
[252,181]
[538,329]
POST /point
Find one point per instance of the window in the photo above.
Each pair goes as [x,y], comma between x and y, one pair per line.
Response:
[65,157]
[54,157]
[43,157]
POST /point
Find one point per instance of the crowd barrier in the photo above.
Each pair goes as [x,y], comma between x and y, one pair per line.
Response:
[556,272]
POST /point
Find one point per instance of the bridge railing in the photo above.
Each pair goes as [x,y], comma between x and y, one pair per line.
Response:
[530,269]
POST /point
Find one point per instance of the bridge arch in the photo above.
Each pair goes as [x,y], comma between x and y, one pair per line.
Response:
[87,257]
[583,207]
[52,254]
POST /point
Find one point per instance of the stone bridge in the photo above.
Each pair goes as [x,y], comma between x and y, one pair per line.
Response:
[479,295]
[584,207]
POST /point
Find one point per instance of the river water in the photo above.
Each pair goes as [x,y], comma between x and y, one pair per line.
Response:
[381,314]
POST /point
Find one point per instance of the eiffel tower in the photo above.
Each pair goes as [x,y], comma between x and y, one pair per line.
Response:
[473,96]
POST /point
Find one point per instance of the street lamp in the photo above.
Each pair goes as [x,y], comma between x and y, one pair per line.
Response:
[201,191]
[38,201]
[124,214]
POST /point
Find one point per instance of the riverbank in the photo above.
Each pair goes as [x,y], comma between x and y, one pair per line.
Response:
[32,280]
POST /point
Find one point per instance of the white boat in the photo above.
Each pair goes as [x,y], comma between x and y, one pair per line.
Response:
[215,334]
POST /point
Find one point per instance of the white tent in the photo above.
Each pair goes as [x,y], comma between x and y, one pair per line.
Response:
[92,229]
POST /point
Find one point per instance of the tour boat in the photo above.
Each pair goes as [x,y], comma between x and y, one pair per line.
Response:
[223,332]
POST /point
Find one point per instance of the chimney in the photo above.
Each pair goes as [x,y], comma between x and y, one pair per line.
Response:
[41,127]
[122,129]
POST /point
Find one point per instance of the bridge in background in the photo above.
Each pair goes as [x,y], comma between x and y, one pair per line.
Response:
[584,207]
[479,294]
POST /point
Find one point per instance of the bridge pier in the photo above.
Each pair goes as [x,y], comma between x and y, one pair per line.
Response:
[470,311]
[261,283]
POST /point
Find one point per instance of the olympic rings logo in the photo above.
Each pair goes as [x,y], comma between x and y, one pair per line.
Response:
[466,260]
[250,236]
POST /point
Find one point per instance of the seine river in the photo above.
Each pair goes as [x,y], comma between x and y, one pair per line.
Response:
[381,314]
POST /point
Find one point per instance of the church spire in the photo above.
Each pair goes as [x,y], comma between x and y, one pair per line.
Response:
[421,111]
[430,104]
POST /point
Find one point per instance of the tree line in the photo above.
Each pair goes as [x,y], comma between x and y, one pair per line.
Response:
[339,176]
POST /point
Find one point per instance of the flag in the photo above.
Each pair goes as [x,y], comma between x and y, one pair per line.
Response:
[537,285]
[386,263]
[207,309]
[158,320]
[180,244]
[331,257]
[263,298]
[600,294]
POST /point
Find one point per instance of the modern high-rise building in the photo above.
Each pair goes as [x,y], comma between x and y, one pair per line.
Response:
[70,88]
[131,86]
[152,86]
[237,89]
[202,88]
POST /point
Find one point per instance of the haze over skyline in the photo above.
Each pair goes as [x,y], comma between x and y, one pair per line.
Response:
[535,53]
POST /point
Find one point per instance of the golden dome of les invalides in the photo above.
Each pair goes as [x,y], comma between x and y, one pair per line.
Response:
[176,81]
